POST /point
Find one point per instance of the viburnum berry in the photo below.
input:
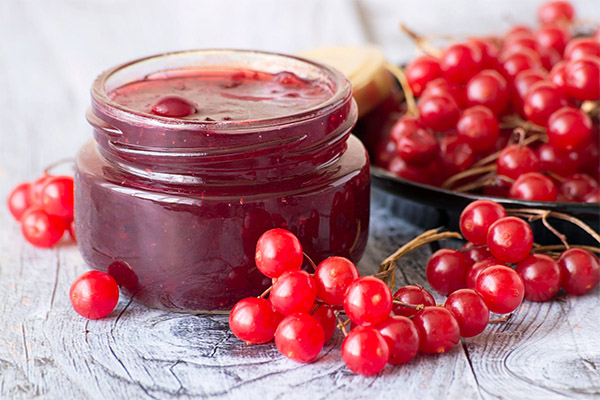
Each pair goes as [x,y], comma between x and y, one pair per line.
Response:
[476,269]
[470,311]
[300,337]
[553,36]
[577,186]
[293,292]
[411,172]
[402,339]
[35,192]
[459,62]
[94,294]
[438,112]
[569,128]
[533,186]
[488,88]
[580,271]
[518,61]
[18,200]
[501,288]
[41,229]
[278,251]
[475,253]
[447,270]
[476,219]
[333,276]
[57,197]
[478,127]
[560,12]
[413,295]
[254,320]
[510,239]
[557,161]
[515,160]
[438,330]
[420,72]
[455,154]
[415,144]
[541,277]
[579,48]
[368,301]
[365,351]
[441,87]
[582,78]
[326,317]
[542,99]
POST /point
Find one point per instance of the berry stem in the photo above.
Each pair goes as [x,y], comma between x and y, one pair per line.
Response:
[68,160]
[341,324]
[494,156]
[409,97]
[502,319]
[538,248]
[310,261]
[466,173]
[266,292]
[412,306]
[422,42]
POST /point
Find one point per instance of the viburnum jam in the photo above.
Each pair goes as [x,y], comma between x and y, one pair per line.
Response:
[197,154]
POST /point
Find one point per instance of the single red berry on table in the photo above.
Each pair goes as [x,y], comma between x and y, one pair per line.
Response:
[173,106]
[542,99]
[470,311]
[41,229]
[541,277]
[533,186]
[413,295]
[438,112]
[326,317]
[569,128]
[460,62]
[94,294]
[18,200]
[300,337]
[438,330]
[278,251]
[254,320]
[580,271]
[333,276]
[294,292]
[447,270]
[57,196]
[516,160]
[476,269]
[510,239]
[368,301]
[488,88]
[415,144]
[476,219]
[421,71]
[478,127]
[402,339]
[561,12]
[365,351]
[582,78]
[501,288]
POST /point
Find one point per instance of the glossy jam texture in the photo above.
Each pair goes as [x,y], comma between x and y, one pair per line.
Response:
[219,96]
[179,230]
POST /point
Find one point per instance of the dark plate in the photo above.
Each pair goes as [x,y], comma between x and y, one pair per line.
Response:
[429,207]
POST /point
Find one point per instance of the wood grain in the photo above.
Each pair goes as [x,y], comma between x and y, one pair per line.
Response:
[50,53]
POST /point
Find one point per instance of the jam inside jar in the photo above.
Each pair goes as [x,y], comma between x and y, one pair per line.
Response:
[172,206]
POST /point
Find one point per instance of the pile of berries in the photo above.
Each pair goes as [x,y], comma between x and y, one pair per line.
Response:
[302,310]
[473,96]
[44,208]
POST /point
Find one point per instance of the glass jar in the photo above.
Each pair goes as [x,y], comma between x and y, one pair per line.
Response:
[172,208]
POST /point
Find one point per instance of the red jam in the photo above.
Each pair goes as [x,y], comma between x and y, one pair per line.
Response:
[196,154]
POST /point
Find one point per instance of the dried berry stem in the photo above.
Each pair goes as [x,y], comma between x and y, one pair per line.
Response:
[412,306]
[494,156]
[266,292]
[467,173]
[502,319]
[341,325]
[538,248]
[422,42]
[310,261]
[409,97]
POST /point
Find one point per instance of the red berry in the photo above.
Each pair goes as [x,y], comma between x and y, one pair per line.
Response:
[577,186]
[476,269]
[438,330]
[519,61]
[447,270]
[541,277]
[415,144]
[470,311]
[557,161]
[557,75]
[326,317]
[57,196]
[521,85]
[413,295]
[501,288]
[254,320]
[582,78]
[411,172]
[580,270]
[593,196]
[438,112]
[542,99]
[569,128]
[553,37]
[460,62]
[533,186]
[18,200]
[333,277]
[300,337]
[420,72]
[488,88]
[41,229]
[510,239]
[515,160]
[278,251]
[401,337]
[294,292]
[365,351]
[35,190]
[441,87]
[556,12]
[489,52]
[455,154]
[476,219]
[94,294]
[173,106]
[474,252]
[478,127]
[368,301]
[579,48]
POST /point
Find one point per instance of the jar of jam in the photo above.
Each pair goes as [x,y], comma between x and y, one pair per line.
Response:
[196,154]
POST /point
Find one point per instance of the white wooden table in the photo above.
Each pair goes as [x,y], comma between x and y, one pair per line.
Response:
[49,54]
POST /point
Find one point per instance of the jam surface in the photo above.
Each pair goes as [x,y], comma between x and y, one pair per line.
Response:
[219,96]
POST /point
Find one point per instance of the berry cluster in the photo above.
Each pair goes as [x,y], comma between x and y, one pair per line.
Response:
[44,208]
[474,95]
[303,310]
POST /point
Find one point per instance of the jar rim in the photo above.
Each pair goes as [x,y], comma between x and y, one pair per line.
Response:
[342,91]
